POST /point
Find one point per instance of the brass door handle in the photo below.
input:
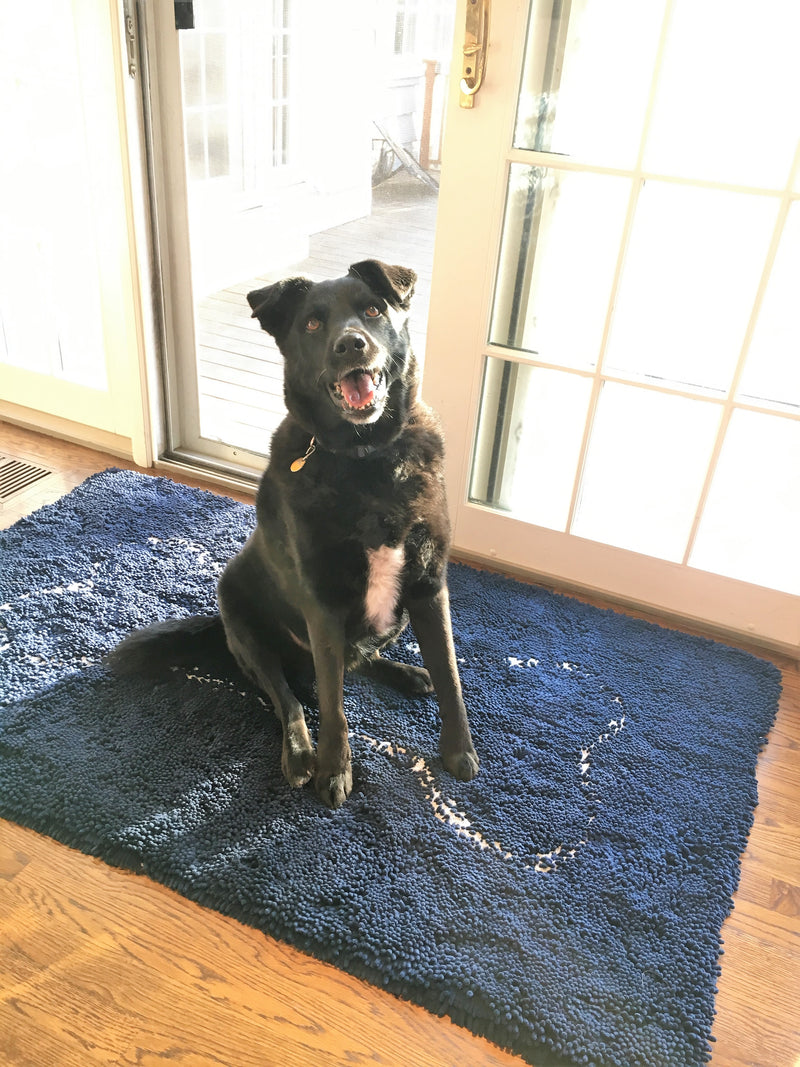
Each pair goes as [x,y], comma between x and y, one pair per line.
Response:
[476,41]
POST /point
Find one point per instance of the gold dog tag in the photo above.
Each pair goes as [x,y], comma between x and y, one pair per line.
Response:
[301,461]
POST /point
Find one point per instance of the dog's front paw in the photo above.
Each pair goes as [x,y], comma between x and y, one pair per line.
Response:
[462,765]
[298,759]
[334,789]
[298,764]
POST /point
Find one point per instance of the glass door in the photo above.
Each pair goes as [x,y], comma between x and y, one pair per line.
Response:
[288,138]
[69,351]
[621,209]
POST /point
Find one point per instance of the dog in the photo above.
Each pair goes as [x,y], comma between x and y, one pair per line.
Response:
[352,535]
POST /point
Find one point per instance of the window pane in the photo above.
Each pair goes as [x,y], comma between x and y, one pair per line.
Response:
[645,470]
[751,524]
[216,70]
[209,14]
[726,104]
[195,145]
[561,239]
[191,45]
[693,263]
[580,69]
[529,440]
[772,371]
[218,152]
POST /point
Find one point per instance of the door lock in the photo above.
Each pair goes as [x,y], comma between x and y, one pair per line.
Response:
[476,42]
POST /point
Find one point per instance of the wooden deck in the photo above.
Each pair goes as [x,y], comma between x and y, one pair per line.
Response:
[240,370]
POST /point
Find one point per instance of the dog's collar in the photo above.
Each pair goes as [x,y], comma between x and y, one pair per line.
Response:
[356,452]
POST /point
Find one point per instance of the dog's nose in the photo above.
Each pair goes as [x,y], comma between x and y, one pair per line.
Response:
[350,343]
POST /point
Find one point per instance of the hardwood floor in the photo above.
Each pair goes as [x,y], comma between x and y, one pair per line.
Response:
[99,966]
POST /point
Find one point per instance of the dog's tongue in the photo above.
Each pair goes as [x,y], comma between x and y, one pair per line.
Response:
[358,389]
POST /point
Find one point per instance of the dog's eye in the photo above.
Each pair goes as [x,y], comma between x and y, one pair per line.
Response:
[372,312]
[312,324]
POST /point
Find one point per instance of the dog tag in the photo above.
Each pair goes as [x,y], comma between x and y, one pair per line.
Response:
[301,461]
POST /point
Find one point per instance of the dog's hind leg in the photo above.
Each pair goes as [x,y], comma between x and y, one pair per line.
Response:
[430,617]
[405,677]
[244,595]
[265,669]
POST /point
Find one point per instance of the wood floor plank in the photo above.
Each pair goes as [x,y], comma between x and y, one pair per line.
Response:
[117,969]
[251,403]
[235,361]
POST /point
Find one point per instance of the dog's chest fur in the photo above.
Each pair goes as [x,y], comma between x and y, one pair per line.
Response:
[372,530]
[384,573]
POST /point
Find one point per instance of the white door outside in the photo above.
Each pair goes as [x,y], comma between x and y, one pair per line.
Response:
[69,344]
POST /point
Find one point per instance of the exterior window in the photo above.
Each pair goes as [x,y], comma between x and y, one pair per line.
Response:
[405,28]
[224,85]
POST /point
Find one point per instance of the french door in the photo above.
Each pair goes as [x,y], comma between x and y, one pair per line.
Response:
[266,118]
[614,344]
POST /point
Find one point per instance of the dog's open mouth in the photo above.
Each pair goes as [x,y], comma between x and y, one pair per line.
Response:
[360,391]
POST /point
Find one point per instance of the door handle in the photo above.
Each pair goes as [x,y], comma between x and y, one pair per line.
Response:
[476,42]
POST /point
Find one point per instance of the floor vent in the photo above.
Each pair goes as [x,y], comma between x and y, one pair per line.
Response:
[16,476]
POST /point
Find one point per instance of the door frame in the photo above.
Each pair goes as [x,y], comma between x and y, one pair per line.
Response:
[161,93]
[477,154]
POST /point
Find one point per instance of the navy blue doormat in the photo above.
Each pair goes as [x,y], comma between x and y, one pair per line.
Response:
[566,904]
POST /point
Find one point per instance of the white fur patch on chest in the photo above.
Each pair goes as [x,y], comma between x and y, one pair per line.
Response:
[383,585]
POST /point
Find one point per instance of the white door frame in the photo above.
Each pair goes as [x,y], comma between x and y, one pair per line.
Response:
[183,443]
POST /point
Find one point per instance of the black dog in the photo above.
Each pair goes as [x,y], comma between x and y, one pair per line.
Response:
[352,535]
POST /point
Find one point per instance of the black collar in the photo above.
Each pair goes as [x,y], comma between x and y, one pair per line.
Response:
[356,452]
[351,452]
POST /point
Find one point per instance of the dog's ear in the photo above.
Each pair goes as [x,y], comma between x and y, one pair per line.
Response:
[276,305]
[394,284]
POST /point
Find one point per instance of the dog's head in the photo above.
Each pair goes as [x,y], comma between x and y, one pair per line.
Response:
[350,375]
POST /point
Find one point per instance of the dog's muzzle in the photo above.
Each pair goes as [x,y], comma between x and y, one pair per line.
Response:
[359,386]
